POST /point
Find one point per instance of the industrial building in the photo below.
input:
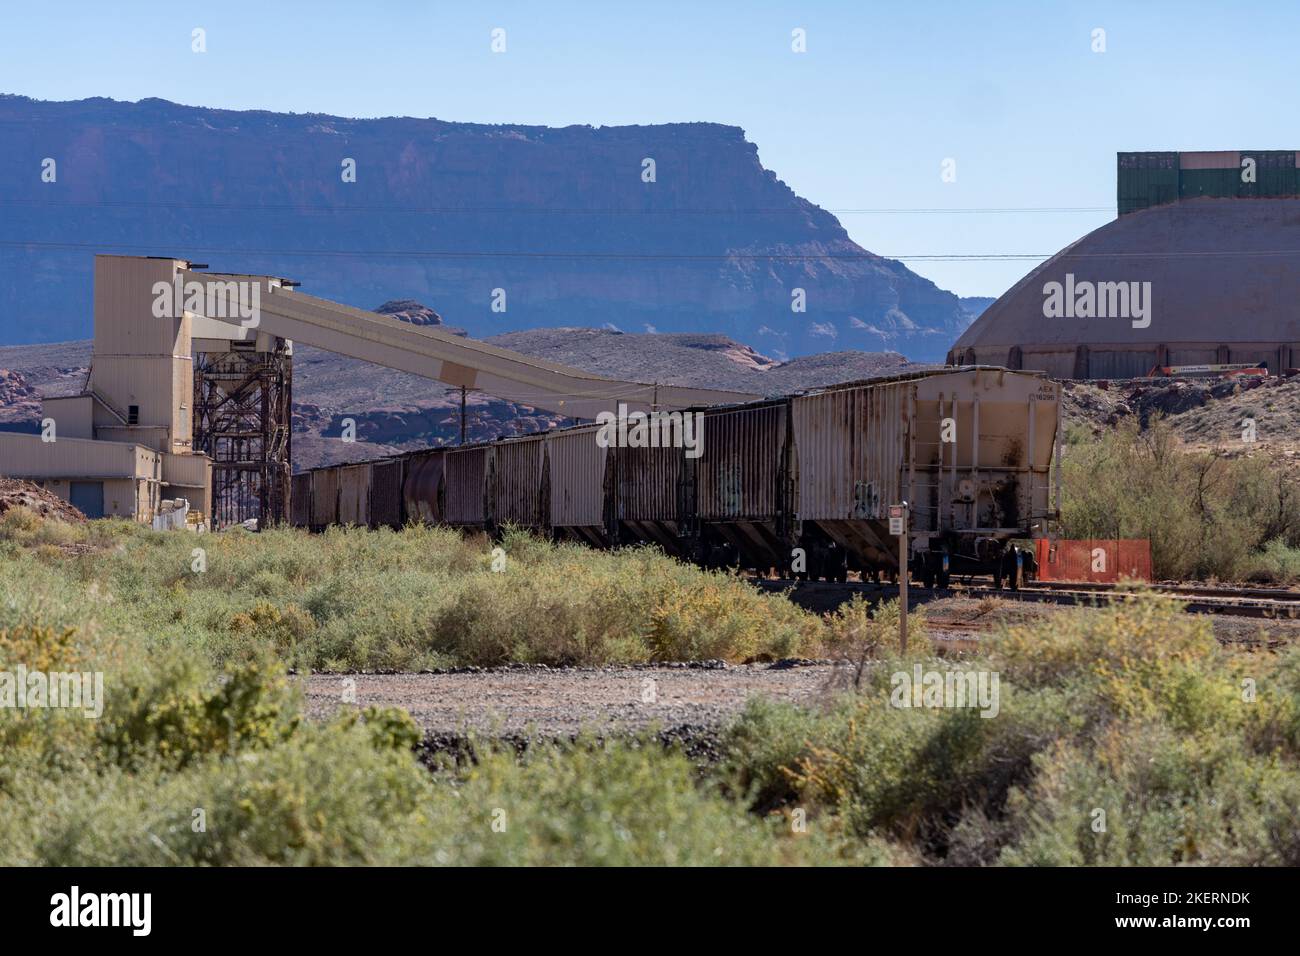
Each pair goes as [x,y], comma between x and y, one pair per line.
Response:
[125,443]
[1201,267]
[190,386]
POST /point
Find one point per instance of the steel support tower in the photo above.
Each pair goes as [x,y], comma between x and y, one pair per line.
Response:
[243,422]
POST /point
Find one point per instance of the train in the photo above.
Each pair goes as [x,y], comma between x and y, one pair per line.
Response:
[799,485]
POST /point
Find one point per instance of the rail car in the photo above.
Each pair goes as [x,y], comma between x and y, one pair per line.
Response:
[801,483]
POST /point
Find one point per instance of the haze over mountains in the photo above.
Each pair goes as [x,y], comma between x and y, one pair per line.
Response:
[559,220]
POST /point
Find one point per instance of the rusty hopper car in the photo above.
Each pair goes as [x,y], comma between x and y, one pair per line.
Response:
[300,500]
[386,494]
[354,495]
[652,499]
[741,485]
[801,484]
[324,497]
[970,450]
[516,483]
[580,480]
[423,488]
[465,484]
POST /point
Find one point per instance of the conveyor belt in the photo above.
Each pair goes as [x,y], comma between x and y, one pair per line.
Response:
[453,360]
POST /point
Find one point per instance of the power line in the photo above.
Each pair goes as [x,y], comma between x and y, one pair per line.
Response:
[523,254]
[498,210]
[651,257]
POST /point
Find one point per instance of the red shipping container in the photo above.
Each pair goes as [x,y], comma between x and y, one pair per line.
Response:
[1102,560]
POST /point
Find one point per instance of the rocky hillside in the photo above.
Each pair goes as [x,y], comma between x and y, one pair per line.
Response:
[559,220]
[1236,417]
[394,411]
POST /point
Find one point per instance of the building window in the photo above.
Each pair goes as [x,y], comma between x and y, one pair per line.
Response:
[133,414]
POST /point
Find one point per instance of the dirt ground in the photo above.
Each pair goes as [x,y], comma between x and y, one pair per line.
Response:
[561,702]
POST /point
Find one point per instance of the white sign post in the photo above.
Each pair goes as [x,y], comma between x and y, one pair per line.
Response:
[898,526]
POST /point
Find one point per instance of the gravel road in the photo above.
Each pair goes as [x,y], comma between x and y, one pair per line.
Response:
[544,702]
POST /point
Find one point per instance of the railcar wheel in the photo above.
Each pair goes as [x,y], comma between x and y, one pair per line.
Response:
[1013,576]
[927,573]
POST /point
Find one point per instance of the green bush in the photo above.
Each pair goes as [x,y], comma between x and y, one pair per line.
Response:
[1192,751]
[1145,796]
[1206,515]
[408,600]
[1277,563]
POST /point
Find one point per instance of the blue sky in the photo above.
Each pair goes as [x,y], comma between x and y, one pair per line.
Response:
[862,121]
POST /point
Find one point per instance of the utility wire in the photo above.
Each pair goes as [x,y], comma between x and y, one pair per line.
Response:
[512,210]
[109,247]
[181,247]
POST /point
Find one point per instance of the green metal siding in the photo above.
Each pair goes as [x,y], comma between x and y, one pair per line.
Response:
[1153,179]
[1215,183]
[1146,179]
[1275,173]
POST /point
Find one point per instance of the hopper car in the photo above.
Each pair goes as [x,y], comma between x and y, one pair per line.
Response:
[798,485]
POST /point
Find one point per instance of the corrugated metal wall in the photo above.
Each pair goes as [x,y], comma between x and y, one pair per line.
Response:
[739,473]
[466,485]
[1058,364]
[517,482]
[577,479]
[1120,364]
[1153,179]
[1240,355]
[1146,179]
[422,486]
[300,500]
[648,484]
[849,450]
[324,497]
[386,494]
[354,495]
[1179,356]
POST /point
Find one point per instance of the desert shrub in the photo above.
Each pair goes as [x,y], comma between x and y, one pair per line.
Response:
[1145,796]
[886,771]
[39,648]
[1192,750]
[408,600]
[718,617]
[175,712]
[343,793]
[855,630]
[1276,563]
[1206,515]
[279,629]
[19,524]
[613,804]
[324,795]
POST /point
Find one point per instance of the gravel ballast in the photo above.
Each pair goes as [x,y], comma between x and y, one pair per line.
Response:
[561,702]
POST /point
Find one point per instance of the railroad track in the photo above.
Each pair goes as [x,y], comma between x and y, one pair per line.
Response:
[1265,603]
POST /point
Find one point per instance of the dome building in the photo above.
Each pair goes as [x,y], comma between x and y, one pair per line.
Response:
[1201,267]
